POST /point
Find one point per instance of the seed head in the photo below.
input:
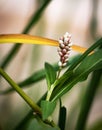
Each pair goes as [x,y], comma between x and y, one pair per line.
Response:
[64,49]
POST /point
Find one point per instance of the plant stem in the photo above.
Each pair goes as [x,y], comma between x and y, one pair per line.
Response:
[28,116]
[59,71]
[30,102]
[22,125]
[37,76]
[50,92]
[88,100]
[93,21]
[32,22]
[53,85]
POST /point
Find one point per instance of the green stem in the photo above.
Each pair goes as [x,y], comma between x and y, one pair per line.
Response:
[93,21]
[50,92]
[37,76]
[88,100]
[28,116]
[59,71]
[30,102]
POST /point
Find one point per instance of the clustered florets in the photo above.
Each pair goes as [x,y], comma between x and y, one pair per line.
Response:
[64,49]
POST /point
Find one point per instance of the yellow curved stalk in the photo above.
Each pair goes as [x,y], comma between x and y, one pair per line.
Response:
[29,39]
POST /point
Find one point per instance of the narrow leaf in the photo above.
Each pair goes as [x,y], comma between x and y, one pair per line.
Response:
[37,76]
[47,108]
[88,99]
[64,77]
[89,64]
[98,43]
[50,74]
[35,17]
[29,39]
[26,39]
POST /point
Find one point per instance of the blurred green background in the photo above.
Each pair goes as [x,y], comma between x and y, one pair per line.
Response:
[81,18]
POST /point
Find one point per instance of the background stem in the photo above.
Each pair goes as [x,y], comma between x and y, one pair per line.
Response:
[16,47]
[88,100]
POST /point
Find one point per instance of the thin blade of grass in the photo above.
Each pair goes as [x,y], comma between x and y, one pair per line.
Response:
[88,100]
[17,47]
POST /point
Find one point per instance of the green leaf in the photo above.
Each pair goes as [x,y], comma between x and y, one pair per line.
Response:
[47,108]
[28,116]
[63,78]
[50,74]
[37,76]
[37,124]
[89,64]
[86,53]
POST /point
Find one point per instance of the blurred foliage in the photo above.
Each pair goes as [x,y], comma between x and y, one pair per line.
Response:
[78,69]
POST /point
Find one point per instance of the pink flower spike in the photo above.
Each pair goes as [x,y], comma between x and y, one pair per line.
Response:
[64,49]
